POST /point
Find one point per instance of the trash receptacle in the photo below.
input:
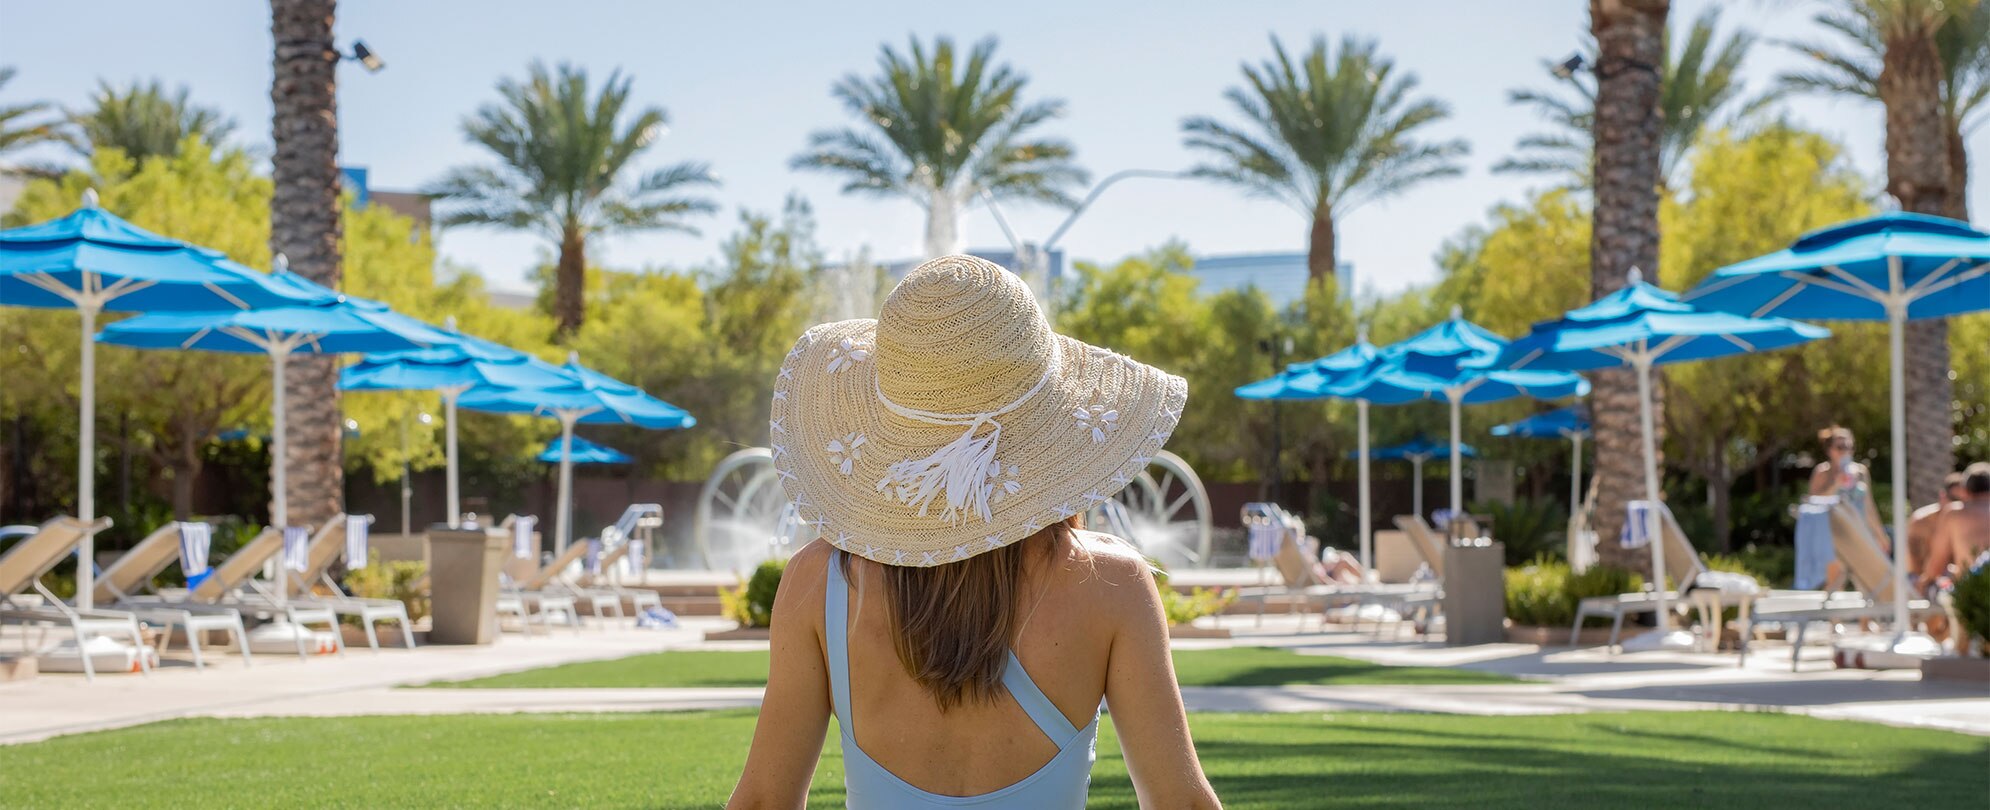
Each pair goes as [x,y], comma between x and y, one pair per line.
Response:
[1474,593]
[463,584]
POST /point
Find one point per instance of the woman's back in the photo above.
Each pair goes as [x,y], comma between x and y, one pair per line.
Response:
[1080,591]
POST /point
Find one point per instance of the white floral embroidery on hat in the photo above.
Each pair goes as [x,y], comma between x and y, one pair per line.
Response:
[844,452]
[847,354]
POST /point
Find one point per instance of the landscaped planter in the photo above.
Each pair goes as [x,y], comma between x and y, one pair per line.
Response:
[1967,670]
[740,634]
[1555,636]
[1192,631]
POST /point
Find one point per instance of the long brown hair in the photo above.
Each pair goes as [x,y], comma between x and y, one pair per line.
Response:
[953,625]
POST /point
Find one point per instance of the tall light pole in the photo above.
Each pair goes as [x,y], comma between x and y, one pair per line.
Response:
[407,489]
[1033,260]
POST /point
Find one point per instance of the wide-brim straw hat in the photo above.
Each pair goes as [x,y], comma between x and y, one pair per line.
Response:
[957,422]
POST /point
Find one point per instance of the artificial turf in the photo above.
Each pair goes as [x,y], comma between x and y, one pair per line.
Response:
[1243,666]
[691,759]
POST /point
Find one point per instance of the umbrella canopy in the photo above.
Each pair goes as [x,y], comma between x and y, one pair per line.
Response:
[583,452]
[1894,267]
[1313,380]
[586,397]
[1571,423]
[1559,423]
[450,369]
[94,262]
[1642,326]
[1419,448]
[334,324]
[1450,362]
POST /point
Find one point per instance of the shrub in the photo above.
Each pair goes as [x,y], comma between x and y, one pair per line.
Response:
[752,604]
[1544,593]
[1183,608]
[391,580]
[1972,605]
[1528,529]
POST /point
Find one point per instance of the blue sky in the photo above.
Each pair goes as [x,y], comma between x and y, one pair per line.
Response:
[745,82]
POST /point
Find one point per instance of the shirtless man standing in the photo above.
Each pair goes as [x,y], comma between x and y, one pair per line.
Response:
[1926,523]
[1964,533]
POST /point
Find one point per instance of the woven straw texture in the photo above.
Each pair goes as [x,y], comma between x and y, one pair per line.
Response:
[865,410]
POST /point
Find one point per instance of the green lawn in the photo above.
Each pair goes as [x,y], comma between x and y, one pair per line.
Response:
[1243,666]
[1255,761]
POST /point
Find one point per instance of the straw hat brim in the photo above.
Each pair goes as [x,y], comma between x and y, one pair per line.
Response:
[1094,425]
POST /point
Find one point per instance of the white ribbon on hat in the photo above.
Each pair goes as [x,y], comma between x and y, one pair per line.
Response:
[961,468]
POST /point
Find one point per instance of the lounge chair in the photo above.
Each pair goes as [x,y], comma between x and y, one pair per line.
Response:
[125,582]
[1294,565]
[531,596]
[233,584]
[1869,569]
[597,584]
[41,549]
[328,547]
[1682,565]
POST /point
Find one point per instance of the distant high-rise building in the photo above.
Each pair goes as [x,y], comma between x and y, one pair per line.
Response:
[1280,276]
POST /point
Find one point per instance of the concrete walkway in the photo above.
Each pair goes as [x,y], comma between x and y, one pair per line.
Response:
[1561,681]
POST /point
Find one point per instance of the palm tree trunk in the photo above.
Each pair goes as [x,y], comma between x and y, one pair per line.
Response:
[1630,40]
[1320,259]
[570,282]
[1956,205]
[942,224]
[305,228]
[1918,172]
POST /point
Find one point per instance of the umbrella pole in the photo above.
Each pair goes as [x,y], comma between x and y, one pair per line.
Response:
[1896,324]
[1416,484]
[1652,523]
[566,495]
[86,461]
[455,505]
[279,464]
[1367,542]
[1457,473]
[1575,476]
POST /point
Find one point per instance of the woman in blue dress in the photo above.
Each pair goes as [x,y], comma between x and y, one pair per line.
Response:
[1841,478]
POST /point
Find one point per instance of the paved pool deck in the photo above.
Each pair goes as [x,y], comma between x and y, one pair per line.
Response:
[1559,680]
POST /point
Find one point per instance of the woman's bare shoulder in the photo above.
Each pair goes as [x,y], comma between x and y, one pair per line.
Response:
[1108,565]
[803,579]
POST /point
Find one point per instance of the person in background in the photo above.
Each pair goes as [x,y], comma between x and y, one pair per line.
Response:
[1925,526]
[1850,482]
[1964,533]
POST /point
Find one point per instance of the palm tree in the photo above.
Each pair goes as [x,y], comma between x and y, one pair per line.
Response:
[1324,135]
[940,132]
[1928,64]
[17,130]
[144,120]
[1700,80]
[565,168]
[305,228]
[1629,138]
[1964,44]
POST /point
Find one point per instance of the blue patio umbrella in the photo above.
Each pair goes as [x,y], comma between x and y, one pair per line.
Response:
[584,452]
[1894,267]
[1416,451]
[1448,362]
[1643,326]
[335,324]
[1312,380]
[450,369]
[586,397]
[94,262]
[1571,423]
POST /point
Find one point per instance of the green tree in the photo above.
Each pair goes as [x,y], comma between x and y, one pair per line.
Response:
[565,167]
[144,119]
[1753,194]
[1701,80]
[1324,135]
[940,131]
[19,128]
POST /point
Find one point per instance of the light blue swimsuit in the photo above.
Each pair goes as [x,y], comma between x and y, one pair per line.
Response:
[1061,782]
